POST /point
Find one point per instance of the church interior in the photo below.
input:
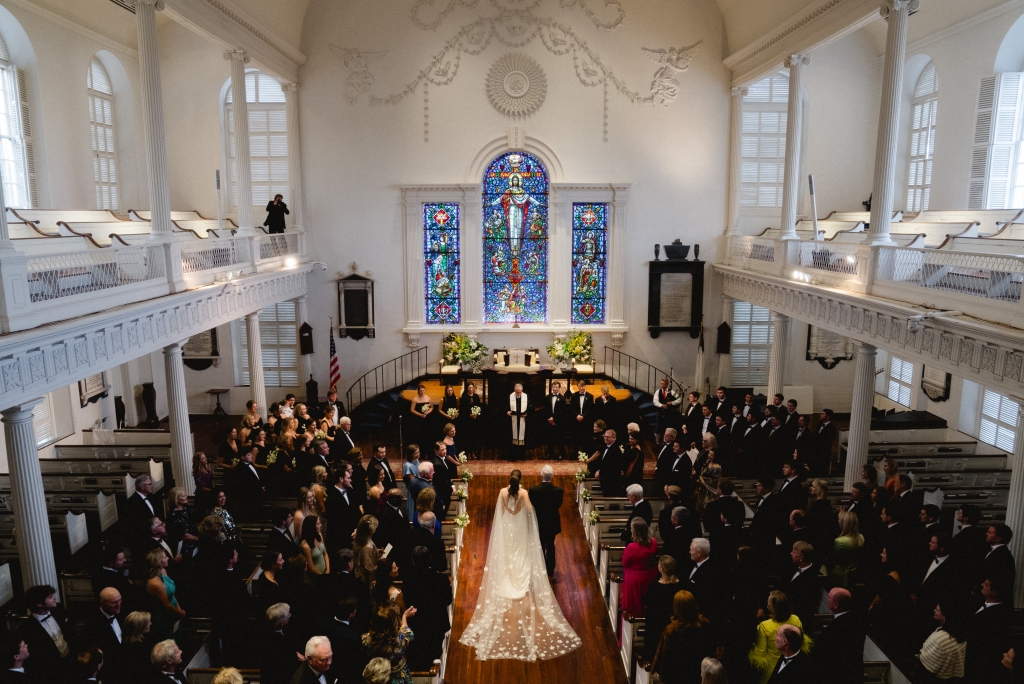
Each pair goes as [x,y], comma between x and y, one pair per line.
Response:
[259,391]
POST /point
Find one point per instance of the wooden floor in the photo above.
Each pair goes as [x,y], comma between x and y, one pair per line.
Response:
[576,590]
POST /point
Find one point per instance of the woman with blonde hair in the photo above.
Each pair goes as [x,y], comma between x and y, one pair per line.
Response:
[658,600]
[365,555]
[319,486]
[892,474]
[821,518]
[684,643]
[765,653]
[228,675]
[306,505]
[425,501]
[166,623]
[846,551]
[136,642]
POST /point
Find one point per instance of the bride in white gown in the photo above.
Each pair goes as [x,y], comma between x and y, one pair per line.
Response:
[517,615]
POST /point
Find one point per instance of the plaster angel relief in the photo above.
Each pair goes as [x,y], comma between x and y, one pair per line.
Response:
[358,64]
[665,87]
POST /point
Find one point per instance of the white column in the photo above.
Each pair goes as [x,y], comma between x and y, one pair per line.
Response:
[31,524]
[725,360]
[259,391]
[153,117]
[896,12]
[295,201]
[243,162]
[1015,505]
[305,362]
[177,412]
[735,159]
[794,122]
[860,414]
[777,363]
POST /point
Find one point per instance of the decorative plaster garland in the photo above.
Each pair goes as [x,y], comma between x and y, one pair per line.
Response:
[417,13]
[516,85]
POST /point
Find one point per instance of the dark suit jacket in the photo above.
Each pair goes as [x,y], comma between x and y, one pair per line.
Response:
[586,411]
[792,496]
[344,440]
[349,659]
[44,661]
[305,675]
[101,579]
[798,671]
[389,476]
[560,412]
[999,562]
[692,417]
[547,499]
[663,464]
[838,654]
[276,541]
[641,510]
[969,547]
[766,523]
[338,405]
[394,529]
[137,515]
[442,481]
[719,407]
[247,487]
[341,518]
[804,592]
[988,638]
[908,509]
[99,632]
[704,585]
[277,657]
[824,438]
[422,537]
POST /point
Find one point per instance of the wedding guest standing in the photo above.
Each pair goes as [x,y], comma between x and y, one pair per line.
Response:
[638,568]
[276,211]
[470,412]
[202,474]
[667,404]
[581,409]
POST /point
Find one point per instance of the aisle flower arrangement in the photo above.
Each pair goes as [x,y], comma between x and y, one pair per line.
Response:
[581,474]
[585,494]
[594,517]
[466,476]
[577,346]
[458,349]
[462,520]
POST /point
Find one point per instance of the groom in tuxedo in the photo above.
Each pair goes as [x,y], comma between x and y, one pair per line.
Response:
[546,499]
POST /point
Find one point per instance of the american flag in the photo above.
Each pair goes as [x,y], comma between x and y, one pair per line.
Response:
[335,366]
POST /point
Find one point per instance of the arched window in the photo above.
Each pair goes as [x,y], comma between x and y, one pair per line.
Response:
[443,281]
[101,127]
[589,259]
[763,142]
[515,225]
[922,139]
[17,160]
[268,139]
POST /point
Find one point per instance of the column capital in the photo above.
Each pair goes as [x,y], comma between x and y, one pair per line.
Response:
[740,92]
[254,316]
[158,4]
[238,54]
[290,87]
[797,59]
[897,6]
[20,413]
[173,349]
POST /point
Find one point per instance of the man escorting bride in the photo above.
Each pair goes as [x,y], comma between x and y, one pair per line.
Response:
[517,615]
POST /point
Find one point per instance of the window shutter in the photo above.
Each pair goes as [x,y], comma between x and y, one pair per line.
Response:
[28,143]
[995,132]
[42,421]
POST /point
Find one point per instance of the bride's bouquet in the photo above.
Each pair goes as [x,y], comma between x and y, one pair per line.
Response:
[462,521]
[462,457]
[452,413]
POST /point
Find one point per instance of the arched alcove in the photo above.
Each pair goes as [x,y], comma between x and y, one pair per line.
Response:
[23,56]
[1010,56]
[132,193]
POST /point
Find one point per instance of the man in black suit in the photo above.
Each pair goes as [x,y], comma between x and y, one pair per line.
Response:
[675,498]
[750,406]
[341,509]
[247,486]
[641,509]
[140,507]
[749,445]
[907,504]
[988,632]
[778,443]
[332,400]
[49,635]
[380,459]
[394,527]
[345,583]
[968,547]
[444,473]
[581,406]
[318,455]
[693,416]
[737,424]
[803,441]
[280,538]
[348,656]
[423,535]
[343,435]
[792,494]
[706,422]
[676,533]
[608,466]
[103,629]
[665,459]
[727,504]
[316,669]
[12,661]
[790,415]
[802,586]
[166,658]
[767,522]
[824,439]
[999,561]
[860,506]
[838,654]
[111,573]
[701,577]
[937,582]
[681,469]
[793,666]
[277,657]
[556,415]
[718,404]
[547,499]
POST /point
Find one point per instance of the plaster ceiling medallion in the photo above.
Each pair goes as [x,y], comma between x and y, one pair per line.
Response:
[516,85]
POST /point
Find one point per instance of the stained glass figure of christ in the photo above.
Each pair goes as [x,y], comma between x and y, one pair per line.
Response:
[515,220]
[441,262]
[589,250]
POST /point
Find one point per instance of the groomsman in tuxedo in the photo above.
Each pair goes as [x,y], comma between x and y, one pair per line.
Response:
[824,438]
[693,416]
[749,406]
[247,486]
[556,414]
[49,635]
[546,499]
[718,404]
[666,457]
[667,404]
[581,406]
[103,629]
[380,459]
[793,666]
[332,400]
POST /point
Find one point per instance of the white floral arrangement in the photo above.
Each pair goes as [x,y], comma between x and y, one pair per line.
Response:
[594,517]
[462,521]
[581,457]
[319,434]
[466,476]
[578,346]
[461,493]
[581,474]
[452,413]
[475,411]
[462,457]
[458,348]
[272,456]
[585,494]
[235,461]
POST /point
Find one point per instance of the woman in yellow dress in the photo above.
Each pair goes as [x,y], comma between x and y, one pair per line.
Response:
[764,654]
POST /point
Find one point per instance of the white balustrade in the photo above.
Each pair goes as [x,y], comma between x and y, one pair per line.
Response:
[214,254]
[60,276]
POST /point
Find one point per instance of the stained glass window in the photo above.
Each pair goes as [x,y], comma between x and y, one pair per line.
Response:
[515,220]
[441,262]
[589,259]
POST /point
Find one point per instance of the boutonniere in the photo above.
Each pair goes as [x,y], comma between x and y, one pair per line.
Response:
[622,449]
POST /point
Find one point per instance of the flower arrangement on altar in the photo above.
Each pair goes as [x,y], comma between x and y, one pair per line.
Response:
[458,348]
[462,520]
[577,346]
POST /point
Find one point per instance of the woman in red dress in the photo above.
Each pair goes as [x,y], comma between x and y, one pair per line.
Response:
[639,568]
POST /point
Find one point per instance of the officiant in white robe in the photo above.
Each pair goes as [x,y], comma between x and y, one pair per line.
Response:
[518,405]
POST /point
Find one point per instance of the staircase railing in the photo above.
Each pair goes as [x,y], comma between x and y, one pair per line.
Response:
[397,372]
[637,373]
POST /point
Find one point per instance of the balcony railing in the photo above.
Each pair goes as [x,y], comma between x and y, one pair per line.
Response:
[214,254]
[67,275]
[986,284]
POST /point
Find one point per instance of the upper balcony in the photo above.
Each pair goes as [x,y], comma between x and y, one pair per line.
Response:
[972,261]
[62,264]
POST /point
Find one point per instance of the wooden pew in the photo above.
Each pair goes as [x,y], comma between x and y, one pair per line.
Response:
[632,642]
[864,216]
[936,233]
[989,221]
[829,229]
[609,563]
[46,220]
[103,506]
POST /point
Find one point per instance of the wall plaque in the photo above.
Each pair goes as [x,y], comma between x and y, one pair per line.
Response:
[200,351]
[92,388]
[675,296]
[827,348]
[676,299]
[936,383]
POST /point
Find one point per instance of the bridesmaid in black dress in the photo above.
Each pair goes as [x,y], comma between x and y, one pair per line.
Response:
[596,447]
[469,424]
[421,416]
[605,409]
[448,403]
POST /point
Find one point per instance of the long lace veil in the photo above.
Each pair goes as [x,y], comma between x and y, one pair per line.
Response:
[516,614]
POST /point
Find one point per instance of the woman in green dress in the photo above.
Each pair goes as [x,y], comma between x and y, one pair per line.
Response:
[846,551]
[318,564]
[388,638]
[167,614]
